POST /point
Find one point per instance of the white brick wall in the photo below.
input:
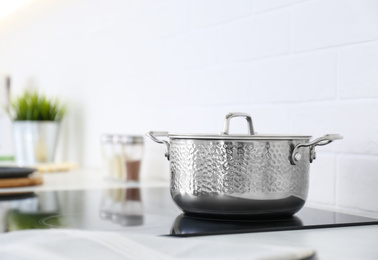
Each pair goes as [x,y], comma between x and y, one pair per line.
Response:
[207,13]
[255,37]
[358,65]
[324,23]
[292,78]
[356,186]
[298,66]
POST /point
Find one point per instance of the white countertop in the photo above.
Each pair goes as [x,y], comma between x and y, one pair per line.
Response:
[359,242]
[80,179]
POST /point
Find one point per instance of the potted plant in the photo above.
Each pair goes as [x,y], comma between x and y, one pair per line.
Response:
[36,122]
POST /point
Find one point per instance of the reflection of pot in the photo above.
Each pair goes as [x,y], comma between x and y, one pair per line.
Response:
[186,225]
[218,174]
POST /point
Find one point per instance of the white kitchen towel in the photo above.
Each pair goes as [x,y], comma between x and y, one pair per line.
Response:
[76,244]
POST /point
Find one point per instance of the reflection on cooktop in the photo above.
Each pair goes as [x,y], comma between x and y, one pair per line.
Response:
[307,218]
[186,225]
[122,206]
[143,211]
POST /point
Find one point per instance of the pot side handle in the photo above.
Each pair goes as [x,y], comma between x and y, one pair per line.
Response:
[329,138]
[154,134]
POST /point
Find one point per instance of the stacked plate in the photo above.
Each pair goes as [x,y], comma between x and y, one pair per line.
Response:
[18,176]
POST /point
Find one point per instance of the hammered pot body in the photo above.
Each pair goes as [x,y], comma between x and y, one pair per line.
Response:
[238,178]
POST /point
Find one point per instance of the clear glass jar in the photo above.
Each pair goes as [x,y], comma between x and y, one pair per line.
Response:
[133,149]
[107,153]
[118,159]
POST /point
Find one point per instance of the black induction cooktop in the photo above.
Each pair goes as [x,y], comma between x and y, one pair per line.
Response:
[144,211]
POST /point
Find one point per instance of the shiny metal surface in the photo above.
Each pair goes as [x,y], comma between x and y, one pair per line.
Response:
[127,139]
[233,175]
[188,225]
[154,134]
[296,156]
[106,138]
[229,116]
[237,178]
[35,141]
[132,139]
[237,137]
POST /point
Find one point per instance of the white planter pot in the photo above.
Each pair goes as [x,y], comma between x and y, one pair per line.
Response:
[35,141]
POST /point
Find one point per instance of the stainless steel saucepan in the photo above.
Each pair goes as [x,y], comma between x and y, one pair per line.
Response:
[250,175]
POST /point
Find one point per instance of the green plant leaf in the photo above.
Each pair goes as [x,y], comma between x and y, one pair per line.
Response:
[36,107]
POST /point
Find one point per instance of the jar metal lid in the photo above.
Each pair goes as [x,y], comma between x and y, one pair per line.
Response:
[106,138]
[131,139]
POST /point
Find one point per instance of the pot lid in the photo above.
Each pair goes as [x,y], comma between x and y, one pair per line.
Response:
[225,135]
[237,137]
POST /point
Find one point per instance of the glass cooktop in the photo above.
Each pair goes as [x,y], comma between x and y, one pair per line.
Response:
[143,211]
